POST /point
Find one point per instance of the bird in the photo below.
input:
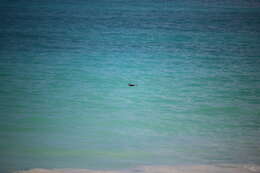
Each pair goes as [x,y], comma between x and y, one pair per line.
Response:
[129,84]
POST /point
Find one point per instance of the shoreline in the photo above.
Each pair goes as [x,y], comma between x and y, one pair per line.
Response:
[219,168]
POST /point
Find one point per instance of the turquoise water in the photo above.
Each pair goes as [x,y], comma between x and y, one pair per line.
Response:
[65,66]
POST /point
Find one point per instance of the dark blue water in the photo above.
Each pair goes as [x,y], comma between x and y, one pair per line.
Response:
[65,67]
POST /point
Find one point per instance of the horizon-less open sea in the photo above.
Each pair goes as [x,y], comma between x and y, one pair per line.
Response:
[65,66]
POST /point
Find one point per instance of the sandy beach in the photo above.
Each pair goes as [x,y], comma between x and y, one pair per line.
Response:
[228,168]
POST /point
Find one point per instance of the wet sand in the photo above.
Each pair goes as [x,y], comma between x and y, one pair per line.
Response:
[224,168]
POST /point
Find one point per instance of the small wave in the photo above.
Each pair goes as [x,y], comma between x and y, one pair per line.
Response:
[224,168]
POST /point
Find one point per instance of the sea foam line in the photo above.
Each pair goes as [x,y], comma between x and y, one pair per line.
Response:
[223,168]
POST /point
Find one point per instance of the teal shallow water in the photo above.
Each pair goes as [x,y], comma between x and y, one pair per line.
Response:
[64,72]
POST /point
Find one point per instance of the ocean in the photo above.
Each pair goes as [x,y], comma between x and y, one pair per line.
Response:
[65,67]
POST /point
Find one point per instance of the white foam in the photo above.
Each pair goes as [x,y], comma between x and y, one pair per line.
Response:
[224,168]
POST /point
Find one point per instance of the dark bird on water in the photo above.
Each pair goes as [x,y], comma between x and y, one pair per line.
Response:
[131,84]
